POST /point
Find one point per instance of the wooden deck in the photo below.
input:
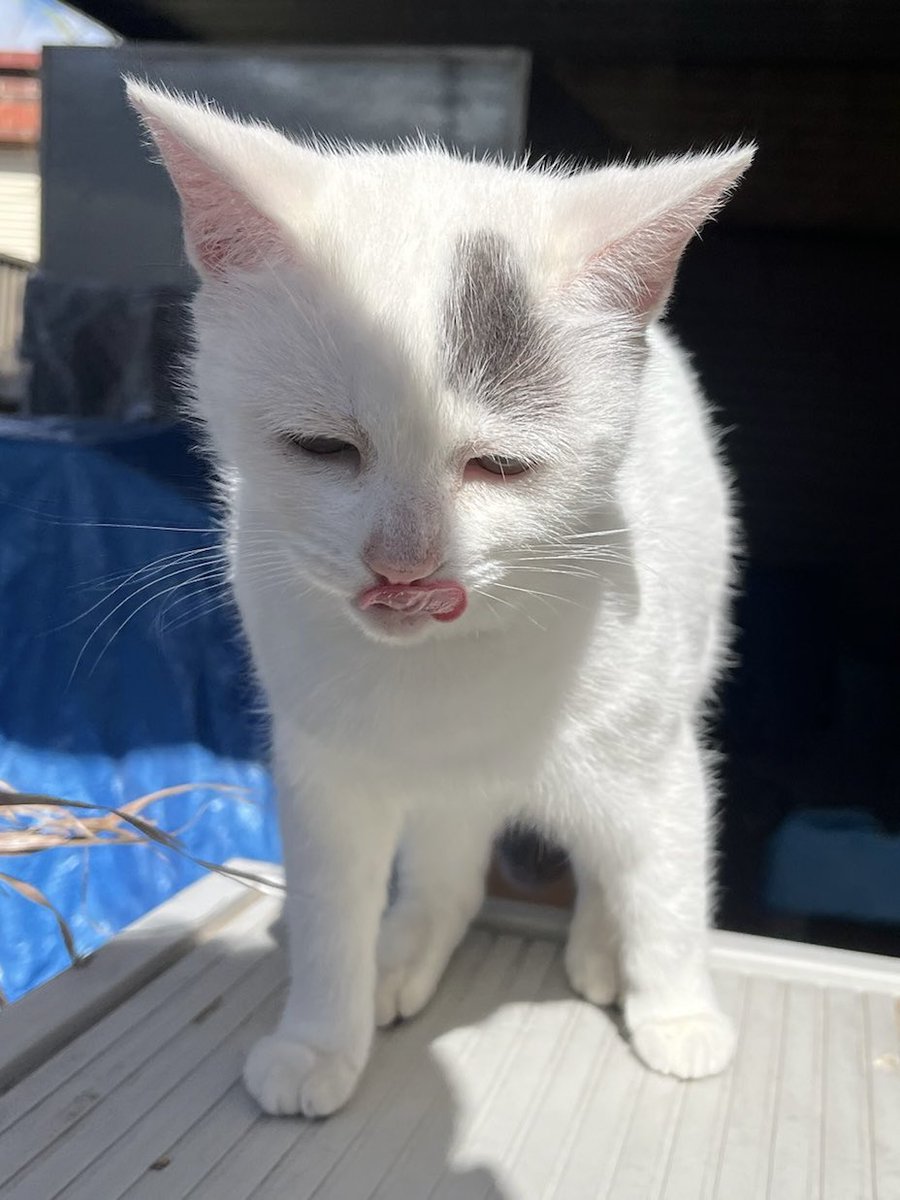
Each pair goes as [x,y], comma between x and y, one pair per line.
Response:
[122,1078]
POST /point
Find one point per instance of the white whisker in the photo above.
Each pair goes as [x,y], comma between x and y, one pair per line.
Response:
[533,592]
[182,570]
[169,560]
[130,617]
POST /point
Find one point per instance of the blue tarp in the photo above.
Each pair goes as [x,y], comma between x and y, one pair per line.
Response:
[117,680]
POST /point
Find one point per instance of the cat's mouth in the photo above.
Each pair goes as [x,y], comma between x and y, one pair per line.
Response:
[442,599]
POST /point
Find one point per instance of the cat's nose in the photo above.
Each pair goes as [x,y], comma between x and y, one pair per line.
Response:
[401,572]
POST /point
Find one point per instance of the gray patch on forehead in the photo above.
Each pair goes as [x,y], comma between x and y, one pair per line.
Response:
[496,345]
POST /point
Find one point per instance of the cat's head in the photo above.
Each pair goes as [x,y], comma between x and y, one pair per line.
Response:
[419,374]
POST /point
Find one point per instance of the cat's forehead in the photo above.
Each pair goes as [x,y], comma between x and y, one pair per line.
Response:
[464,345]
[409,226]
[429,320]
[464,299]
[495,344]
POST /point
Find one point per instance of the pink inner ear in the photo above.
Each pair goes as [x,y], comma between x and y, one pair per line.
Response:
[638,270]
[223,230]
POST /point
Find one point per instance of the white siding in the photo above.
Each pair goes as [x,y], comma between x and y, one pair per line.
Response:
[20,202]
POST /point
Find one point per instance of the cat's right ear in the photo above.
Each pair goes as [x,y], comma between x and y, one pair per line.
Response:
[217,166]
[629,226]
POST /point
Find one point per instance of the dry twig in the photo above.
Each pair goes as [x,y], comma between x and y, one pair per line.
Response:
[31,824]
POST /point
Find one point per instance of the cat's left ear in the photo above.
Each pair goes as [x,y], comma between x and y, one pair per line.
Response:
[231,177]
[649,214]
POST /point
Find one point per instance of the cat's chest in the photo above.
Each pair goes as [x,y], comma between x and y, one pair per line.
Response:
[470,707]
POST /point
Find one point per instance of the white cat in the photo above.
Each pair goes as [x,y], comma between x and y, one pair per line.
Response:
[482,546]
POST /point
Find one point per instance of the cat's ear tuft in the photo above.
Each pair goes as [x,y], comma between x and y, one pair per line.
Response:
[654,211]
[216,165]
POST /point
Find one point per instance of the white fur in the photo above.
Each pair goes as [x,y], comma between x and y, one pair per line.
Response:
[571,693]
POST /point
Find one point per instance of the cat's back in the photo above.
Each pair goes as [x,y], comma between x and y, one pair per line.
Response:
[675,479]
[678,506]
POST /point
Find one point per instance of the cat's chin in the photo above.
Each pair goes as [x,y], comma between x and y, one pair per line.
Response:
[398,628]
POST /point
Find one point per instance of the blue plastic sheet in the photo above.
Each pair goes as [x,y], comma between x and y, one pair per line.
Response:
[115,680]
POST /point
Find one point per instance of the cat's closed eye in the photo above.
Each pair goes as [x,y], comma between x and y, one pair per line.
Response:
[321,446]
[502,465]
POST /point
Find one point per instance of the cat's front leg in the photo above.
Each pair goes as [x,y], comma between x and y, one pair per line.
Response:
[440,884]
[592,950]
[338,849]
[650,850]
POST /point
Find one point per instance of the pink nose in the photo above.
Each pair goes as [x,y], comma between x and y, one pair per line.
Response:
[395,572]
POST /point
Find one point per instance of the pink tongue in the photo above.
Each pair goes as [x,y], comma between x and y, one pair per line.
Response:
[441,600]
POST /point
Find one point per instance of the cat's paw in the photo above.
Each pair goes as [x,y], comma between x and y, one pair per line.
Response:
[689,1047]
[287,1078]
[403,992]
[592,970]
[411,962]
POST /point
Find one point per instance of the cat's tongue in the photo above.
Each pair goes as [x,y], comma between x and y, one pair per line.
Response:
[442,599]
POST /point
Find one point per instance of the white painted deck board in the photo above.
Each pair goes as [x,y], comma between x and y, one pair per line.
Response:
[124,1045]
[506,1088]
[60,1009]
